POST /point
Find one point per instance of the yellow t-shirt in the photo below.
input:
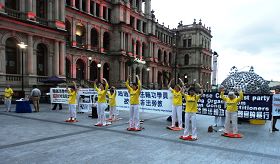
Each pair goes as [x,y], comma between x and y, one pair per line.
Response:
[134,94]
[72,97]
[112,99]
[231,105]
[8,93]
[191,103]
[177,97]
[101,95]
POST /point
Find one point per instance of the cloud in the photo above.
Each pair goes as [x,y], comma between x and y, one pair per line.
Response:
[245,32]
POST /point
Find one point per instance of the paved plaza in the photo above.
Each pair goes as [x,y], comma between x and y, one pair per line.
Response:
[44,137]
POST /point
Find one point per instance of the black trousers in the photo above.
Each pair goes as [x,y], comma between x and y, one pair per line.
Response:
[55,105]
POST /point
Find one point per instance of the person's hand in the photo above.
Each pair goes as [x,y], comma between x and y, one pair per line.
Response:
[222,89]
[137,76]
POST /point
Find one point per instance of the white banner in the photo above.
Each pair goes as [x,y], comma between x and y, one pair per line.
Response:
[59,95]
[86,97]
[276,105]
[152,101]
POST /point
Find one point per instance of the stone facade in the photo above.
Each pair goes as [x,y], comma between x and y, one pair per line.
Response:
[72,38]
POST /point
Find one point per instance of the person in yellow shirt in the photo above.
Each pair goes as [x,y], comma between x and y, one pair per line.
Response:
[112,104]
[190,113]
[72,102]
[101,102]
[134,91]
[231,112]
[176,106]
[8,93]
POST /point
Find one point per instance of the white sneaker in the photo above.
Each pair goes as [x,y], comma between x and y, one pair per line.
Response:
[222,130]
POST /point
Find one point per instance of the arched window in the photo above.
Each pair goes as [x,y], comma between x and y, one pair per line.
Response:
[170,58]
[160,80]
[68,2]
[42,57]
[93,71]
[106,41]
[164,57]
[68,29]
[106,71]
[68,68]
[12,57]
[187,59]
[94,37]
[137,48]
[77,4]
[80,35]
[144,52]
[42,9]
[80,69]
[159,56]
[12,4]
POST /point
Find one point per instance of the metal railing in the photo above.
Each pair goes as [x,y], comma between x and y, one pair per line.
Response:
[15,13]
[43,21]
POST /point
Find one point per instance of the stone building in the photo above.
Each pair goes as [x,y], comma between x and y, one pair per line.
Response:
[91,39]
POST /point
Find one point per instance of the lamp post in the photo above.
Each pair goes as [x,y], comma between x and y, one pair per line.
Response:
[175,69]
[98,69]
[185,78]
[148,71]
[89,66]
[22,46]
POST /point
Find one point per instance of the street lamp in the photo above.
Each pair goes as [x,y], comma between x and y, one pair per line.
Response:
[89,66]
[98,69]
[22,46]
[175,69]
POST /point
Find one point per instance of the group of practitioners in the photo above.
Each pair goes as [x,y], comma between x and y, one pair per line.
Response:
[102,91]
[191,108]
[190,94]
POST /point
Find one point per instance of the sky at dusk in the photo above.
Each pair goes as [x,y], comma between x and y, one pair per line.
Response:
[245,32]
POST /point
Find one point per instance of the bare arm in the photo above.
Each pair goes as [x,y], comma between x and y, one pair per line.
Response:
[107,85]
[169,84]
[138,82]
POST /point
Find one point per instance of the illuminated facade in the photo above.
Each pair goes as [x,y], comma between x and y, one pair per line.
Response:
[72,38]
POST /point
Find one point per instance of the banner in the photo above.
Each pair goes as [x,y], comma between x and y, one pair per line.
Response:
[153,101]
[86,98]
[59,95]
[253,106]
[276,105]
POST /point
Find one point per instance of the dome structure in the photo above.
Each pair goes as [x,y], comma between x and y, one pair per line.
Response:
[249,82]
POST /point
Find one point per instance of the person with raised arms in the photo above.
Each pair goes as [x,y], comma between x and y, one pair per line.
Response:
[190,112]
[72,102]
[112,104]
[177,94]
[231,113]
[134,92]
[101,102]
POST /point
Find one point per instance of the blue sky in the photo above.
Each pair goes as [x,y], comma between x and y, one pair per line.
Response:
[245,32]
